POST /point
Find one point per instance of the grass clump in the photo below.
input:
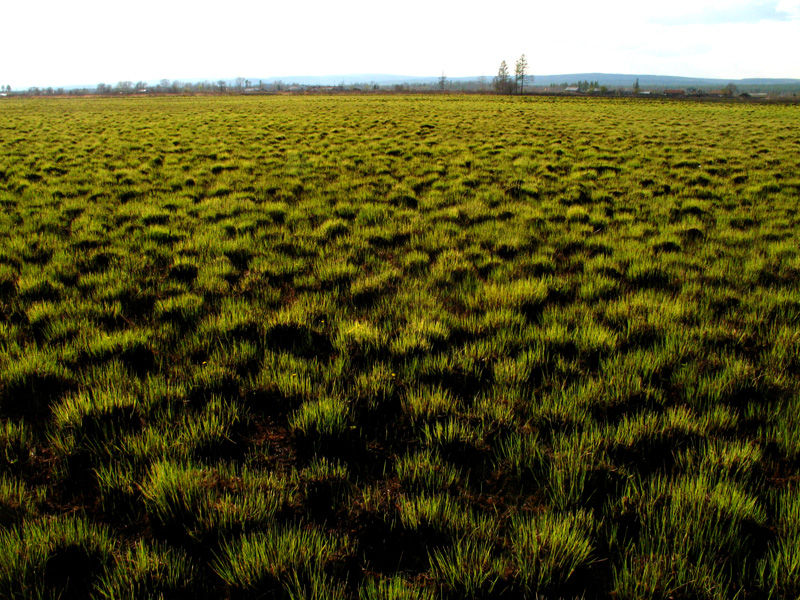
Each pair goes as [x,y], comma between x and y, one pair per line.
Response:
[322,420]
[17,502]
[15,444]
[468,568]
[779,571]
[287,560]
[31,382]
[53,557]
[201,505]
[549,550]
[154,571]
[395,588]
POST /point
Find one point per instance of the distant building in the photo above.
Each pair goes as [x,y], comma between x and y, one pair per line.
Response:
[674,92]
[572,89]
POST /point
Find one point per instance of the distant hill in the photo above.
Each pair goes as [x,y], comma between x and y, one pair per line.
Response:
[606,79]
[660,81]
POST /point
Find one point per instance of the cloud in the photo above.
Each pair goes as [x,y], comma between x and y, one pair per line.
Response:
[745,13]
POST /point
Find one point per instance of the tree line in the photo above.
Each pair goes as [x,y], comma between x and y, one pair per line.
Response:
[503,82]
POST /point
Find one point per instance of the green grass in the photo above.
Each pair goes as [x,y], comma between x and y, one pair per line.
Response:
[53,557]
[399,347]
[550,548]
[153,572]
[292,558]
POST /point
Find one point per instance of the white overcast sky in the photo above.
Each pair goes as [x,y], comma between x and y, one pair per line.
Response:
[72,42]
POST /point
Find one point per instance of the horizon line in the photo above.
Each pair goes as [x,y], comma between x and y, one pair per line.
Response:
[370,78]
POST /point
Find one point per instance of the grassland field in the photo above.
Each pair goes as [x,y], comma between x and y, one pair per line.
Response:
[395,348]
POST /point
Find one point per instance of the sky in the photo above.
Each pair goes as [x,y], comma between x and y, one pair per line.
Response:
[85,42]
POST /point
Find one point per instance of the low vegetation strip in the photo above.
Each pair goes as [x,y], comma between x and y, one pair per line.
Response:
[399,348]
